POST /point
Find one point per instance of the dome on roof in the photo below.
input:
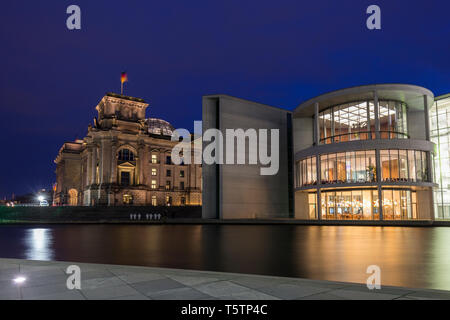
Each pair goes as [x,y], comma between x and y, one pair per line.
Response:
[159,126]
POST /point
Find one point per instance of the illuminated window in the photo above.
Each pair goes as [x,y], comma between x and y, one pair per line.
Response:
[168,200]
[153,172]
[154,203]
[356,121]
[154,158]
[168,185]
[154,186]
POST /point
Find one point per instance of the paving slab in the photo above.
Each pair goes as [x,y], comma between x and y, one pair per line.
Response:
[46,280]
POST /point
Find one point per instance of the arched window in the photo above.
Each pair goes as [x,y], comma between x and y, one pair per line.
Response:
[126,155]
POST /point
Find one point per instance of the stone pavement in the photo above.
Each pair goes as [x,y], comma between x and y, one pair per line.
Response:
[46,280]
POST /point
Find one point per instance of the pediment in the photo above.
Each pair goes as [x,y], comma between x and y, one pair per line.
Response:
[127,165]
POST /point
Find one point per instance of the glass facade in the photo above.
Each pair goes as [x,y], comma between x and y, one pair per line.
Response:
[306,172]
[399,204]
[360,167]
[363,204]
[349,204]
[356,121]
[403,165]
[440,135]
[348,167]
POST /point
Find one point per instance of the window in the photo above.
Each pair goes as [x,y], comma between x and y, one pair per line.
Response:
[168,185]
[356,121]
[182,185]
[183,201]
[168,173]
[348,167]
[154,203]
[126,155]
[168,160]
[153,172]
[154,158]
[306,171]
[125,178]
[182,174]
[404,165]
[168,200]
[348,204]
[154,186]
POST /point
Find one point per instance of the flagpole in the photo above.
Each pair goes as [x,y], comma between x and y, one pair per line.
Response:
[121,87]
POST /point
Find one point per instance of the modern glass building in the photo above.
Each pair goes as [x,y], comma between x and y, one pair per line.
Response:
[440,135]
[360,153]
[369,155]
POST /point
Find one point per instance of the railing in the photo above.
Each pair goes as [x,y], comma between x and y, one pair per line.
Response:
[357,136]
[388,180]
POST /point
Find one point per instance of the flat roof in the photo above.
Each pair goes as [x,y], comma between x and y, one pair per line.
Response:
[223,95]
[412,95]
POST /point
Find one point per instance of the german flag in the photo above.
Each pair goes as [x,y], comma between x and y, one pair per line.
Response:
[123,77]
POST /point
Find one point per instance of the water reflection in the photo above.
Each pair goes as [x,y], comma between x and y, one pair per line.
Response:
[410,257]
[38,244]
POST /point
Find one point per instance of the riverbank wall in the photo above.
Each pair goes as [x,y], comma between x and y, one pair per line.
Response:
[169,215]
[97,214]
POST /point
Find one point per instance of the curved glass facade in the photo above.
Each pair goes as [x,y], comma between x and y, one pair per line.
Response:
[403,165]
[356,121]
[361,167]
[363,204]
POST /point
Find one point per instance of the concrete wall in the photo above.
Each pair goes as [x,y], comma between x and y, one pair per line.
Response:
[233,191]
[209,172]
[303,131]
[416,124]
[425,204]
[301,205]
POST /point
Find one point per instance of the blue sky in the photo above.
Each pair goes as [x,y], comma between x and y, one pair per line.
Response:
[275,52]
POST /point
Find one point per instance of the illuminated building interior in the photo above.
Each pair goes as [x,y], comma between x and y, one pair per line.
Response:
[440,135]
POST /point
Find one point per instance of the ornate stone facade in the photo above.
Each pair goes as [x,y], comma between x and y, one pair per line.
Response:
[125,159]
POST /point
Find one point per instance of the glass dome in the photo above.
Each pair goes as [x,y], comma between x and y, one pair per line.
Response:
[159,126]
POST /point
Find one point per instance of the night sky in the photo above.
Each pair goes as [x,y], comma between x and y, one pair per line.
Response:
[275,52]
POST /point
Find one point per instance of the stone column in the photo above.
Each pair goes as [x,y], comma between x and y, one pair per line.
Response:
[114,161]
[88,166]
[379,190]
[427,117]
[316,124]
[140,163]
[319,182]
[101,160]
[377,119]
[369,133]
[94,164]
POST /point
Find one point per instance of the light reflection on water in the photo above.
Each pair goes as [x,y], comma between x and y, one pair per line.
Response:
[409,257]
[38,244]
